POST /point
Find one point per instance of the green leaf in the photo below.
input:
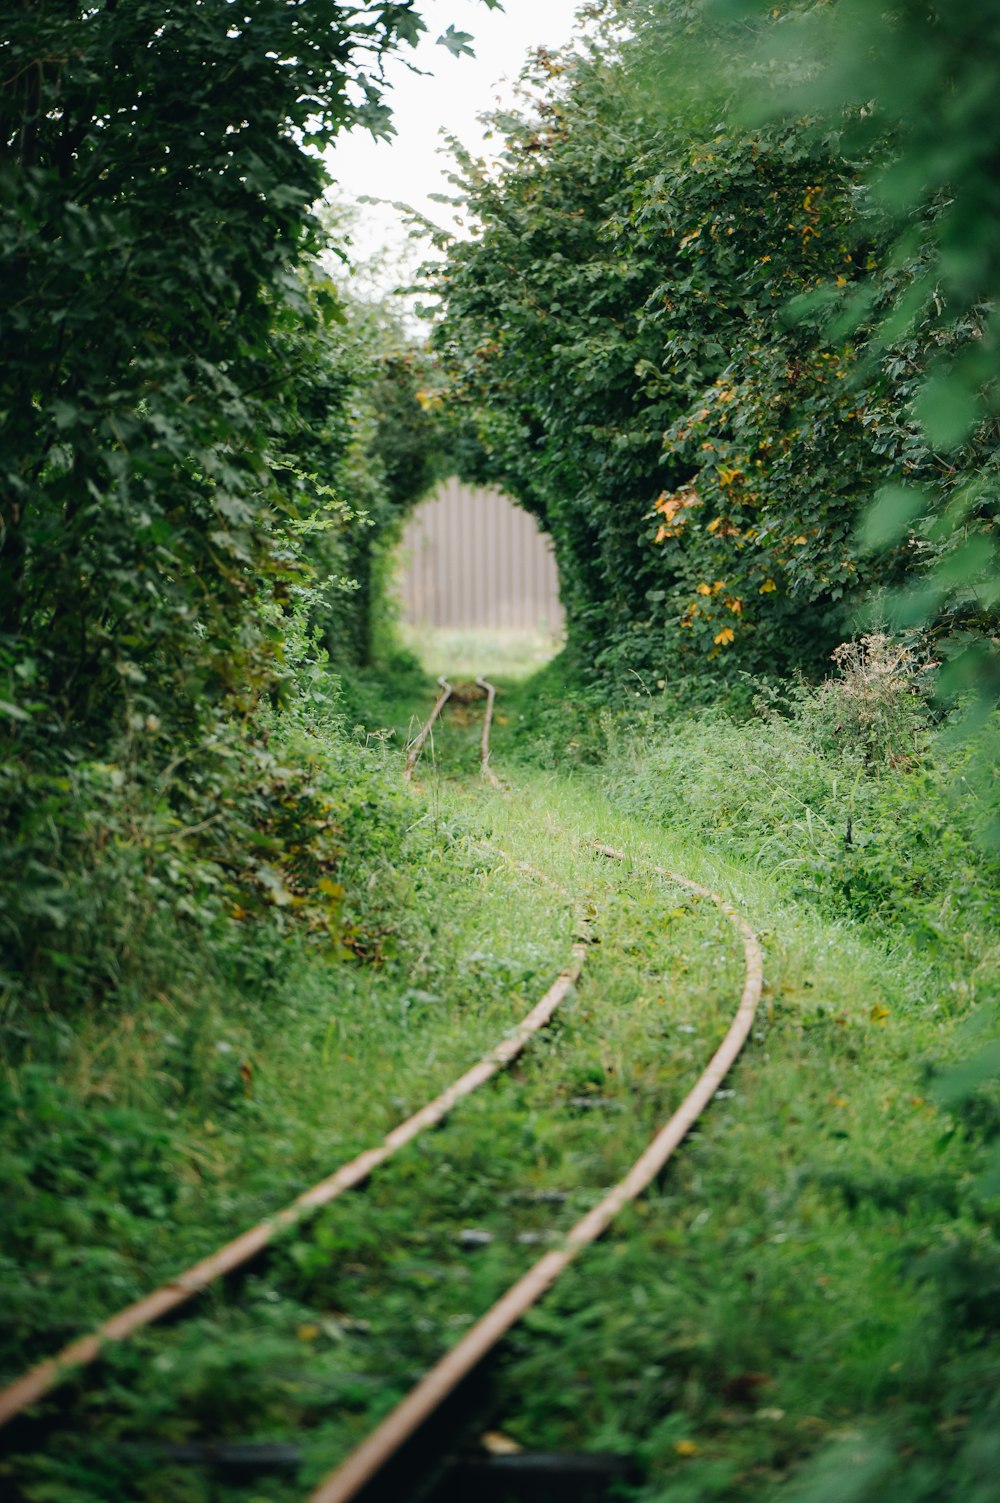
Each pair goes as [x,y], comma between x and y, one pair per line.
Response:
[409,27]
[947,410]
[891,514]
[457,42]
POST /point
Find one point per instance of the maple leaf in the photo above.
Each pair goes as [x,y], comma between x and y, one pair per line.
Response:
[457,42]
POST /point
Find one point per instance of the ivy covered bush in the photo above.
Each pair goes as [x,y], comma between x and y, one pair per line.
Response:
[663,333]
[193,463]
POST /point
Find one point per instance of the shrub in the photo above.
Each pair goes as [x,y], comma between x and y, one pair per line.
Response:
[846,794]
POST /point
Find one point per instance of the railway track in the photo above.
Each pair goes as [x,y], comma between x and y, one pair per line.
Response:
[445,693]
[354,1474]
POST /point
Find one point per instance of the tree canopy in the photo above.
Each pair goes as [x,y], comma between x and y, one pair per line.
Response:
[161,330]
[695,340]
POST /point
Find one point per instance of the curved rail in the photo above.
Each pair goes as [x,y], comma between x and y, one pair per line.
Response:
[39,1380]
[358,1468]
[417,744]
[420,1403]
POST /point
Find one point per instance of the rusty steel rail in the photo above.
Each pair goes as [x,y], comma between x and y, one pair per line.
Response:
[485,770]
[367,1460]
[41,1379]
[417,744]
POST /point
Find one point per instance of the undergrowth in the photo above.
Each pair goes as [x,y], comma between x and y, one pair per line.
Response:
[847,794]
[803,1307]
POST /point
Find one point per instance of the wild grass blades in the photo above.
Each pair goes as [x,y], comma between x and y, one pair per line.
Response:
[505,653]
[777,1287]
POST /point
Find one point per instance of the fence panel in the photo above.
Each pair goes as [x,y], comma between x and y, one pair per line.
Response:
[471,558]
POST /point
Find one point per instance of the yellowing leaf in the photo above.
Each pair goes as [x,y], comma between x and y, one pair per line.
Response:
[879,1013]
[704,589]
[498,1444]
[307,1333]
[687,1448]
[725,635]
[800,541]
[767,587]
[715,523]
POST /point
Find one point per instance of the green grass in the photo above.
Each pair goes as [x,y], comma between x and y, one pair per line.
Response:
[786,1287]
[511,653]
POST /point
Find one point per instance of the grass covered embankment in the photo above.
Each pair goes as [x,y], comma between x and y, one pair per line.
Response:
[814,1272]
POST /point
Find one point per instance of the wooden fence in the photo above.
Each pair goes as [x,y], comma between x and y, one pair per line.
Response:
[471,558]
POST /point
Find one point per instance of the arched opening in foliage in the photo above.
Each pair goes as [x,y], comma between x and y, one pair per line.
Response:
[477,580]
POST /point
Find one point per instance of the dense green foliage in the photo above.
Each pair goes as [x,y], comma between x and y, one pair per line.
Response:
[196,448]
[591,330]
[156,198]
[926,131]
[732,280]
[663,331]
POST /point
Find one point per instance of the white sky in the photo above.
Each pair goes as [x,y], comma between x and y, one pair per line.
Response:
[453,91]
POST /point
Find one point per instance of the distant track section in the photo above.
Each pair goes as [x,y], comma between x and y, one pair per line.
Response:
[417,744]
[484,746]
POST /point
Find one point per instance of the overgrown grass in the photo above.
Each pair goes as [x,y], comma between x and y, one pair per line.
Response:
[815,1270]
[511,653]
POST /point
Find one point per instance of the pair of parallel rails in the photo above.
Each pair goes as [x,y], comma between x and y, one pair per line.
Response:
[427,1397]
